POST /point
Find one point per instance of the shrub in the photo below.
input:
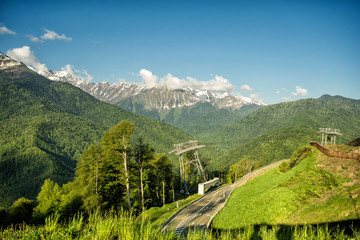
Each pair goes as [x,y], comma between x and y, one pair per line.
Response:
[21,210]
[284,166]
[296,158]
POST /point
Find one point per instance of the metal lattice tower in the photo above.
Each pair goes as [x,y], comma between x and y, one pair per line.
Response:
[326,132]
[194,160]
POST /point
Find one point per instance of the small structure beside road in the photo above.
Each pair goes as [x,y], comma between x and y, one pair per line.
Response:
[205,185]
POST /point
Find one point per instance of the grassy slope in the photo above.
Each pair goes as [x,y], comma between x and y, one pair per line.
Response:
[269,147]
[317,190]
[45,125]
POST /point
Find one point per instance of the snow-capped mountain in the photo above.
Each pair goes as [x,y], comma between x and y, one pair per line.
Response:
[159,98]
[127,94]
[7,62]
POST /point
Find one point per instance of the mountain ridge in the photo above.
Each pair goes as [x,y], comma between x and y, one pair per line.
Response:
[159,98]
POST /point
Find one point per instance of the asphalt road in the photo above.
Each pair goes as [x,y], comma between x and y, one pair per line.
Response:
[199,213]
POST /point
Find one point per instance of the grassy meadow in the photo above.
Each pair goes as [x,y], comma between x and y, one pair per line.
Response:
[317,190]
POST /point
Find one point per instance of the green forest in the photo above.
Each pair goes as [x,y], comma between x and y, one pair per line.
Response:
[45,126]
[112,175]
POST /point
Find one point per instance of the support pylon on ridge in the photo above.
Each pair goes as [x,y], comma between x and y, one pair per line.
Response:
[180,150]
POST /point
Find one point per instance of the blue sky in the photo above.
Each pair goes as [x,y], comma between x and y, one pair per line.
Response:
[270,50]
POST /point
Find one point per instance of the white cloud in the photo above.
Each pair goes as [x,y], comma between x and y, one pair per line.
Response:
[82,75]
[27,56]
[254,96]
[68,69]
[219,83]
[300,91]
[246,88]
[286,98]
[150,79]
[5,30]
[52,35]
[88,77]
[172,82]
[35,39]
[277,92]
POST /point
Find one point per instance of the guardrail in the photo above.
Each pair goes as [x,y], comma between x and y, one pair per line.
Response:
[332,153]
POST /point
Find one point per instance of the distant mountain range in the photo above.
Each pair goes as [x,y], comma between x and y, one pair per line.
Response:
[152,98]
[191,110]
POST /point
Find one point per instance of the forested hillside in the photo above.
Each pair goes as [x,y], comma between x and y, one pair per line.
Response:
[45,126]
[273,132]
[204,117]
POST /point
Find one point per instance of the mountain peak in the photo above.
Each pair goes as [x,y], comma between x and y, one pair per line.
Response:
[7,62]
[3,56]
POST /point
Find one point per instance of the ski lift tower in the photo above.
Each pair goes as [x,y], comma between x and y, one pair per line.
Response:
[329,132]
[180,150]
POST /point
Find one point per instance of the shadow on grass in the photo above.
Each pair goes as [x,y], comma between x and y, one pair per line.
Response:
[349,228]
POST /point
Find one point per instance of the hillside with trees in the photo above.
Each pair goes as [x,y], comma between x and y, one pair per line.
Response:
[273,132]
[45,126]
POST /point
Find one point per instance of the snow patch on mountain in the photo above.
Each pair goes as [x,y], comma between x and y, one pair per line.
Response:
[158,97]
[7,62]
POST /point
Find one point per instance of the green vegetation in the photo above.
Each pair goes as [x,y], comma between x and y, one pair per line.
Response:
[204,117]
[109,176]
[307,114]
[275,131]
[121,225]
[45,125]
[158,215]
[309,193]
[269,147]
[195,119]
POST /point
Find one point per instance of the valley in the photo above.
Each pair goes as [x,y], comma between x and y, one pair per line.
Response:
[49,125]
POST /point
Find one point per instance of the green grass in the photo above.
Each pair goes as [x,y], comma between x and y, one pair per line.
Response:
[158,215]
[305,194]
[120,225]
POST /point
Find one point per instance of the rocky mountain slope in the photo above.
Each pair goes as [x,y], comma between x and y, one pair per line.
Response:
[158,98]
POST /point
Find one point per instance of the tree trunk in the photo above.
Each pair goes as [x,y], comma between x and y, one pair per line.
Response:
[163,193]
[173,193]
[142,191]
[157,185]
[126,175]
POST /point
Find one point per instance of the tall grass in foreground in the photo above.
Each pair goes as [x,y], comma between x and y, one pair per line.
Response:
[122,225]
[109,225]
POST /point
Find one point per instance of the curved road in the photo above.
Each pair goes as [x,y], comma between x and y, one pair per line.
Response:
[198,214]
